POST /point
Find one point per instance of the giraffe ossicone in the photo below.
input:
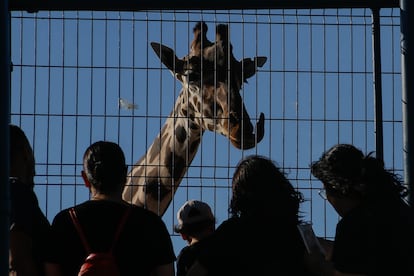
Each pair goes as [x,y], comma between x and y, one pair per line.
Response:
[210,99]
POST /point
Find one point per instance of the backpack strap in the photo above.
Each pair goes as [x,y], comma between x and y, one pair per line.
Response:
[79,229]
[82,234]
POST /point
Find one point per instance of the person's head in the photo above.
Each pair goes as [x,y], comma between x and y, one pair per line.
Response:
[195,220]
[261,188]
[22,162]
[347,173]
[104,167]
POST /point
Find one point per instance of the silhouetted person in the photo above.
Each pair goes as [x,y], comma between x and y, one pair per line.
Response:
[196,222]
[261,236]
[29,228]
[375,233]
[144,246]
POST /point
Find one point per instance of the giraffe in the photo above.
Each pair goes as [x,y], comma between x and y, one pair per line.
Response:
[210,99]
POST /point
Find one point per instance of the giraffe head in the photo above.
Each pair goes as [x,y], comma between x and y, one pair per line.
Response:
[213,77]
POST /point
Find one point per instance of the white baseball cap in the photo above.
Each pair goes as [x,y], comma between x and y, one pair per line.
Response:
[193,211]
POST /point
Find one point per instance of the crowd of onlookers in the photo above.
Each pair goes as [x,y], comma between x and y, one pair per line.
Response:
[374,236]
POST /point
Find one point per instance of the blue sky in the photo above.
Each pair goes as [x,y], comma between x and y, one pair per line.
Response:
[316,89]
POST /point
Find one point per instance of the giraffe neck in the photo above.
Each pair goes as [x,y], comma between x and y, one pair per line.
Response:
[154,179]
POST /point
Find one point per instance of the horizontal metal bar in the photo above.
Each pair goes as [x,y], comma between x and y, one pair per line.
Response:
[137,5]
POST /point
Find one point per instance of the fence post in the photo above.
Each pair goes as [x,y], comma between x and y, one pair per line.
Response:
[4,137]
[407,63]
[376,60]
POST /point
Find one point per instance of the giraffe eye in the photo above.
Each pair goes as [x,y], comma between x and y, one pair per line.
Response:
[193,76]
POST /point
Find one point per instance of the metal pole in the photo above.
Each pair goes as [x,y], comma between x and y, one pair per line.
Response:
[376,59]
[407,62]
[136,5]
[4,136]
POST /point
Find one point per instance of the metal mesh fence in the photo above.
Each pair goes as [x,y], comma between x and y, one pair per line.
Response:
[72,68]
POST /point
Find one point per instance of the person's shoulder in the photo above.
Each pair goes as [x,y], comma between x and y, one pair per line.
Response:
[394,211]
[25,210]
[225,235]
[63,216]
[21,192]
[184,251]
[230,222]
[188,254]
[404,217]
[407,210]
[144,213]
[197,248]
[145,218]
[231,225]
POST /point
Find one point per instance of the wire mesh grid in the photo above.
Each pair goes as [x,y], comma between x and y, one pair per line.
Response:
[83,76]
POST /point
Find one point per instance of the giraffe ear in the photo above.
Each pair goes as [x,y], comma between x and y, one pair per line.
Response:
[168,58]
[250,66]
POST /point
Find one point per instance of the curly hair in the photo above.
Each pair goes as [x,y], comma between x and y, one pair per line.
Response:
[346,171]
[261,188]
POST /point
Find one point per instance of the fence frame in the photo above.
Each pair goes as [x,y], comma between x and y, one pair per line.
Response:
[407,62]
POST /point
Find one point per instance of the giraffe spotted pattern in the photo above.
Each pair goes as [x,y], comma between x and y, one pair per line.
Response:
[210,99]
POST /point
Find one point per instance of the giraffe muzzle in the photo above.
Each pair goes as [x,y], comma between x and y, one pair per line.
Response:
[242,136]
